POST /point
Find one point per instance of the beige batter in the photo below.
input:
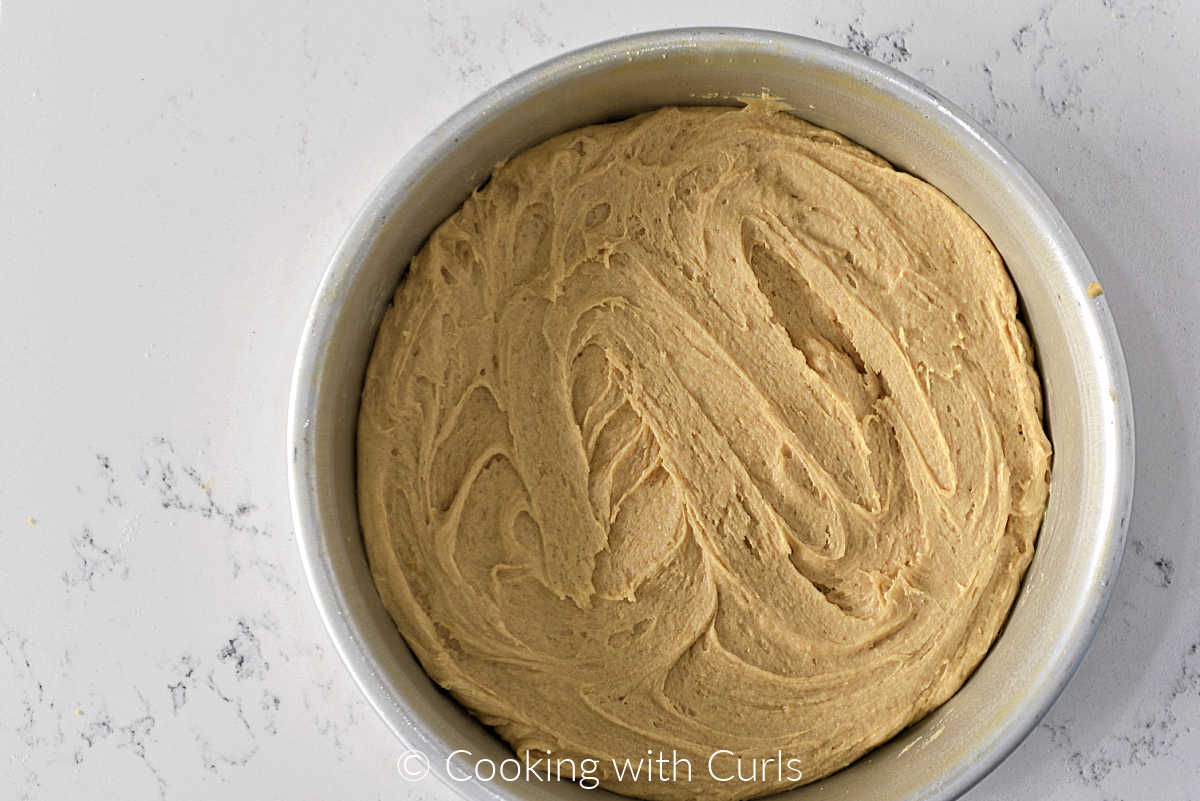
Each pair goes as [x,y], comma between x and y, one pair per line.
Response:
[703,430]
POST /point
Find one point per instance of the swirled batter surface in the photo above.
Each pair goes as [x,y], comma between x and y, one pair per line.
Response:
[702,430]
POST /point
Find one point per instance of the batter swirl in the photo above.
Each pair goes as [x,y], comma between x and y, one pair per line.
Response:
[702,430]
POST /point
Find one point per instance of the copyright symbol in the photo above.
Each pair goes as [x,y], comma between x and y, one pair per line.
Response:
[412,765]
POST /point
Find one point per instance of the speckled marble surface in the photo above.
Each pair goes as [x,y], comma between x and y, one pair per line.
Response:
[172,182]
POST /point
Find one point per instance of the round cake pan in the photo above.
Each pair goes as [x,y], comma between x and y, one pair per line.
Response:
[1088,409]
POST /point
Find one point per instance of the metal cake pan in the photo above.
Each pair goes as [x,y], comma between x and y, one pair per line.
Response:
[1088,408]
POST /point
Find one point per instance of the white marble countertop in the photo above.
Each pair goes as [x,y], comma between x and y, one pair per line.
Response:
[172,183]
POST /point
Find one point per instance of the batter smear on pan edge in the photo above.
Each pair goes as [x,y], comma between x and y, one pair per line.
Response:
[702,430]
